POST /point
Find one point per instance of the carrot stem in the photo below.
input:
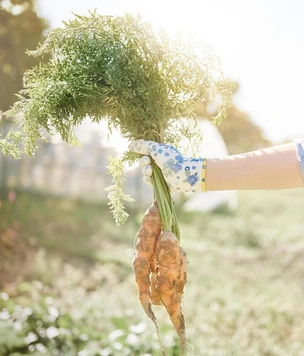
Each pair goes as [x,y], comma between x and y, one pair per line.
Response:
[162,194]
[164,201]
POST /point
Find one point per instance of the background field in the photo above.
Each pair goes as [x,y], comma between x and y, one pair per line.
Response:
[67,285]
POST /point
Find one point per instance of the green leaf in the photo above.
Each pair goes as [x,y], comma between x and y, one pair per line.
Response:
[116,195]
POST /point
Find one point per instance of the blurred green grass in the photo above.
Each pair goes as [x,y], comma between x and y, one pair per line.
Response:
[245,285]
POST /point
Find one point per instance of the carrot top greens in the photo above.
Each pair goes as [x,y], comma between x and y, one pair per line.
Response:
[117,69]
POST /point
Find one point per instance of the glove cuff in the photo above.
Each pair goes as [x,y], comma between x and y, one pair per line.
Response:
[192,175]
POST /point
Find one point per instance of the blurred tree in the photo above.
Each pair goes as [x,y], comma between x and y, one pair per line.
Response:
[239,132]
[21,29]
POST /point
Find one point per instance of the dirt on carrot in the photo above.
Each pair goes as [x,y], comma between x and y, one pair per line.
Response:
[182,277]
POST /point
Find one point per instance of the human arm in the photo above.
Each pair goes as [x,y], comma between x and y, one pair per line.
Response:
[276,167]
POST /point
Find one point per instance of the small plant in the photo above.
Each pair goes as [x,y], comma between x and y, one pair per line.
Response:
[43,329]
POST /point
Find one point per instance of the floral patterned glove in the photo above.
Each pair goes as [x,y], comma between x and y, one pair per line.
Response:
[181,174]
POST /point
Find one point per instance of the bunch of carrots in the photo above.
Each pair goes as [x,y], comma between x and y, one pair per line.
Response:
[117,68]
[160,267]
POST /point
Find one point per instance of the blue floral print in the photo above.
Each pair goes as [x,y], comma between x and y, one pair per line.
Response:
[179,159]
[192,179]
[172,166]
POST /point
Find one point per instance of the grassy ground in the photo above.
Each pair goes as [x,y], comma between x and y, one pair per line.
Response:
[67,286]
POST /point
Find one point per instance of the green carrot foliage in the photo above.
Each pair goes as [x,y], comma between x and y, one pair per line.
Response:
[121,70]
[116,195]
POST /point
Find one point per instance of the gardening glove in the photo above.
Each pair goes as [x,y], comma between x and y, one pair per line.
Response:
[182,174]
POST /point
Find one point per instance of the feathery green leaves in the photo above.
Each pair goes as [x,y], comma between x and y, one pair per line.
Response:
[116,195]
[119,69]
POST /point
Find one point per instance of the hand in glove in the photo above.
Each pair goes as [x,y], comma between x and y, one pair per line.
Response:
[182,174]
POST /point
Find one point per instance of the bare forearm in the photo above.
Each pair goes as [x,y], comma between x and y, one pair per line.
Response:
[271,168]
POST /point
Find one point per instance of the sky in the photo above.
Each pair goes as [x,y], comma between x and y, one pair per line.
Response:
[260,44]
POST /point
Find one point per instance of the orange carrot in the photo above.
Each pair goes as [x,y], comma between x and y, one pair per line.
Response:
[145,247]
[160,267]
[168,270]
[142,278]
[149,231]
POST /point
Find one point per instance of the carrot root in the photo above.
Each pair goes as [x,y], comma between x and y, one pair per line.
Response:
[160,267]
[145,247]
[168,264]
